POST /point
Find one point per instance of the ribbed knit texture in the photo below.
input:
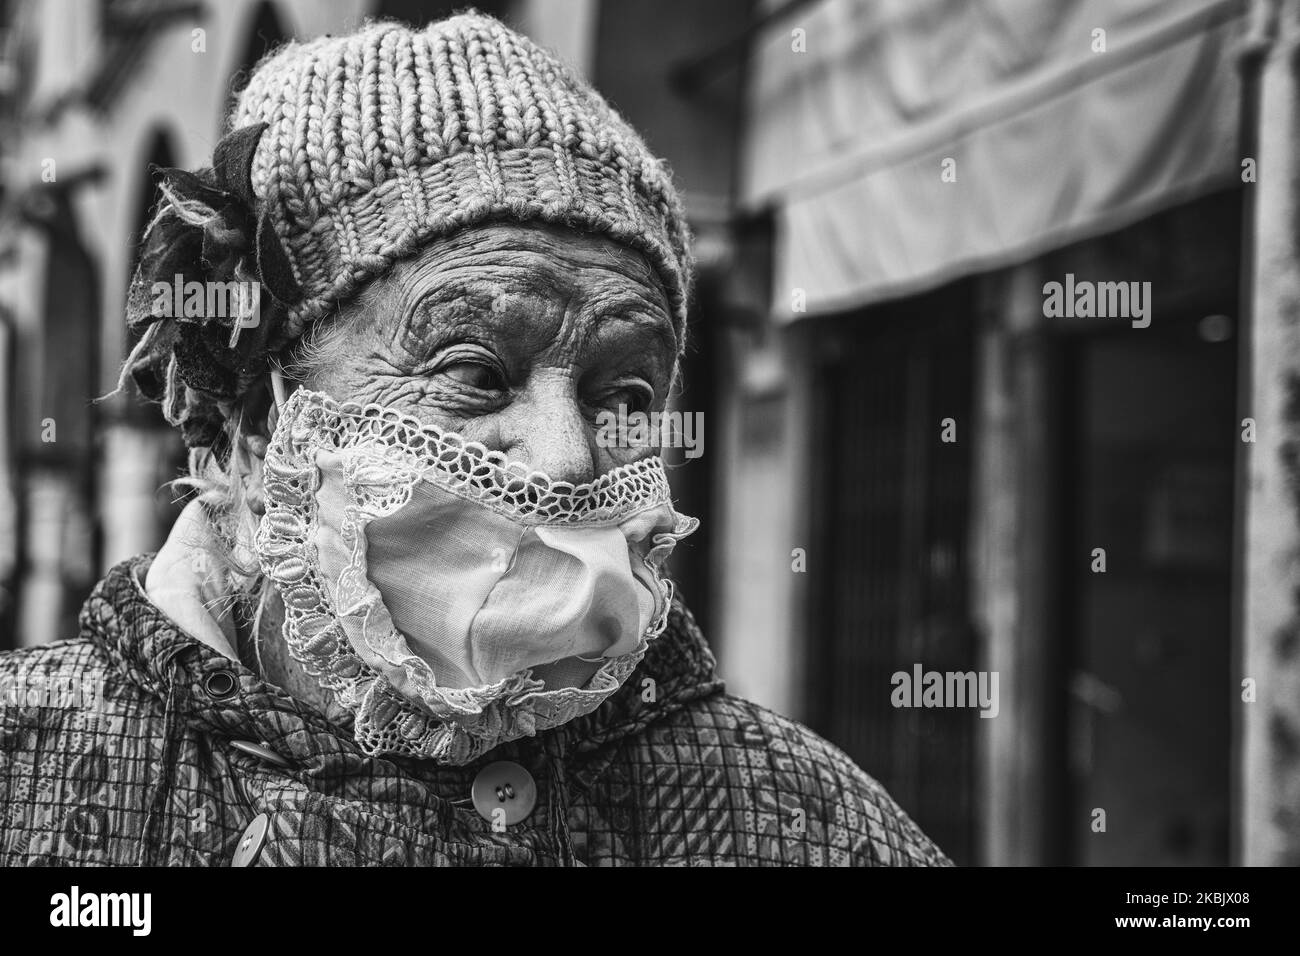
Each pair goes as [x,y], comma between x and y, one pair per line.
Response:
[387,138]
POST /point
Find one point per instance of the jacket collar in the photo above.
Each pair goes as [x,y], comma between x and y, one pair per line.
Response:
[146,647]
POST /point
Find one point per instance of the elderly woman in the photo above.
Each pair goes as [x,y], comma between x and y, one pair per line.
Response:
[416,612]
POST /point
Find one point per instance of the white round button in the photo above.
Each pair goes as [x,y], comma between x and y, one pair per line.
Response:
[504,793]
[250,844]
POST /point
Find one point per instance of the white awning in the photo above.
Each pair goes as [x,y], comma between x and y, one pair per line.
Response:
[1051,141]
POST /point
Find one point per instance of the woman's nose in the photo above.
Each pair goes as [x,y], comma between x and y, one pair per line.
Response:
[544,428]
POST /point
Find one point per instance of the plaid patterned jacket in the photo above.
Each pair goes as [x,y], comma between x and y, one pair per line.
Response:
[116,749]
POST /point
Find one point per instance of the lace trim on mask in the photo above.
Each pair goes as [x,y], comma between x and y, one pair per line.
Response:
[469,469]
[450,725]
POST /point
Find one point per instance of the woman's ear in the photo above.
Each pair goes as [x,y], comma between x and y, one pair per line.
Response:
[257,420]
[259,413]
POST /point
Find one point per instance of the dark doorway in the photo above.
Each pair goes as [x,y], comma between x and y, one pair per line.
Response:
[891,511]
[1152,441]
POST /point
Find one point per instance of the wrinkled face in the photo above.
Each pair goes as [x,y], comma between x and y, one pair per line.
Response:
[517,337]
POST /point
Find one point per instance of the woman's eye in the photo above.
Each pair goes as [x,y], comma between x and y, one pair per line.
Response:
[631,399]
[475,375]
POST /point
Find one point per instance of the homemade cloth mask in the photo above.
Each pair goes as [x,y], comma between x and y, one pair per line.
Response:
[451,599]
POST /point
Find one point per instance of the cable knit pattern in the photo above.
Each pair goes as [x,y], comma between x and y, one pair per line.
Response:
[387,138]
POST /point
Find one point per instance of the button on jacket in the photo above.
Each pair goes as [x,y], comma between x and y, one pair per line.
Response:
[136,744]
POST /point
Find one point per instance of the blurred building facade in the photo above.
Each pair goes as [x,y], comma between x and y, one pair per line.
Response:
[907,460]
[1077,501]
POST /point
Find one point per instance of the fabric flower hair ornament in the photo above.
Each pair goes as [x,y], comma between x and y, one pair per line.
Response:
[210,292]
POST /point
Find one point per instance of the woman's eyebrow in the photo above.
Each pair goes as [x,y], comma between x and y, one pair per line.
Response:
[477,295]
[453,306]
[636,311]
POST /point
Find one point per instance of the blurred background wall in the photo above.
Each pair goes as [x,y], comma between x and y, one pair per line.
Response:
[906,459]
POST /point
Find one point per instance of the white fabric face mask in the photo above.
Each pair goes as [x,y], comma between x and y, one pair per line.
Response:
[453,600]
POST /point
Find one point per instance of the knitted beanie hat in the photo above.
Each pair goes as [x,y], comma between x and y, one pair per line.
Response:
[350,153]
